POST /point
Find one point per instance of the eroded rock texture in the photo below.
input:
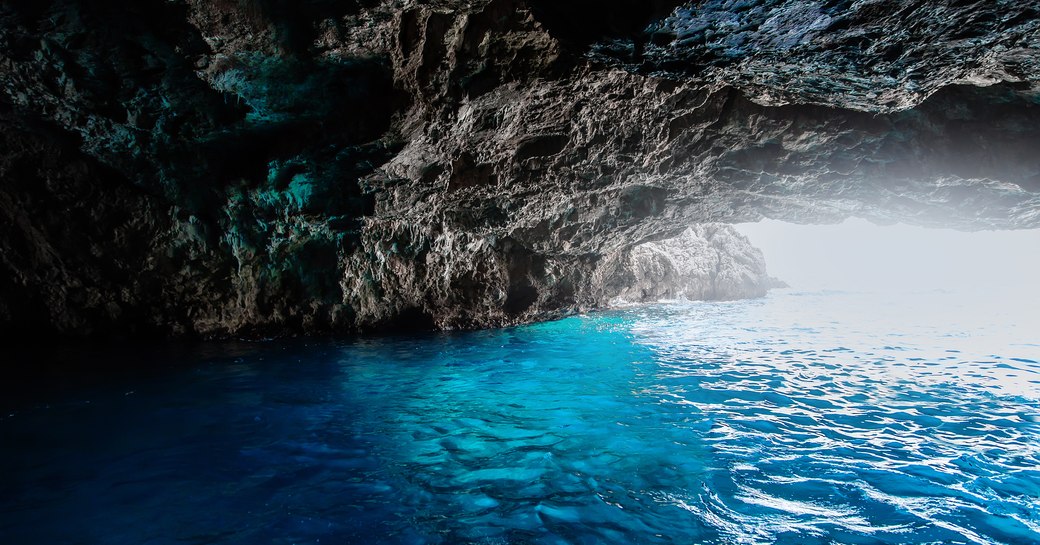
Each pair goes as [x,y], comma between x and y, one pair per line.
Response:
[265,167]
[706,262]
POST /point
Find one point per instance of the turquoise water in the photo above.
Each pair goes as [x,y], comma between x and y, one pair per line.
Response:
[802,418]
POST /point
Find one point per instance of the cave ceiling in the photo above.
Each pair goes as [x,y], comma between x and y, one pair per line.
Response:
[316,162]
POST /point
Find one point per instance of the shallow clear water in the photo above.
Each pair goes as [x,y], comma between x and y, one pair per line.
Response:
[801,418]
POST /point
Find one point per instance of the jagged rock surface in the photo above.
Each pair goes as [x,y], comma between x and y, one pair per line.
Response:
[263,167]
[707,262]
[868,55]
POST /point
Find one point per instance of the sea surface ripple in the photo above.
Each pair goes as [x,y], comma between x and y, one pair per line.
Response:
[801,418]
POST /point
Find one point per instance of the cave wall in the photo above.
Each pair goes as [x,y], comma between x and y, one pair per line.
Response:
[264,167]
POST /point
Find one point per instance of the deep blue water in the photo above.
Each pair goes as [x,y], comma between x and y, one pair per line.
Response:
[802,418]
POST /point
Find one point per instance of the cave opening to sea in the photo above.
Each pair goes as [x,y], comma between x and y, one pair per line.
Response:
[480,272]
[882,397]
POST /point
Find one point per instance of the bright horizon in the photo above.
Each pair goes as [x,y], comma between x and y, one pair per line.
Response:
[858,255]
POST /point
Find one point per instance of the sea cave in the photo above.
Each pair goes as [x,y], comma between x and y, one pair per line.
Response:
[520,272]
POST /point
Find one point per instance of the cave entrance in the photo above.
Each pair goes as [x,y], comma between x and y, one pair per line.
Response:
[894,290]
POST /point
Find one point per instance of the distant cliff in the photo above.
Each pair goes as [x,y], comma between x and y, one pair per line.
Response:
[706,262]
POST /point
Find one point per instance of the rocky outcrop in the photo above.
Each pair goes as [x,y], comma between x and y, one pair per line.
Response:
[264,167]
[867,55]
[709,262]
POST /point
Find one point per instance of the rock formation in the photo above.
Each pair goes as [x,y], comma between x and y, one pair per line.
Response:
[267,167]
[710,262]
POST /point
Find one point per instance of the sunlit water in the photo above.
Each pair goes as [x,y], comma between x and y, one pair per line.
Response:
[803,418]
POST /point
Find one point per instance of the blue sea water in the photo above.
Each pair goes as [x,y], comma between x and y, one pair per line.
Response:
[801,418]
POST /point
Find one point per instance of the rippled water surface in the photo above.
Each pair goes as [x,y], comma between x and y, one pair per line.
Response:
[803,418]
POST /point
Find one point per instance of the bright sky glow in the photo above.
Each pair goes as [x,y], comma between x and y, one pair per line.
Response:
[858,255]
